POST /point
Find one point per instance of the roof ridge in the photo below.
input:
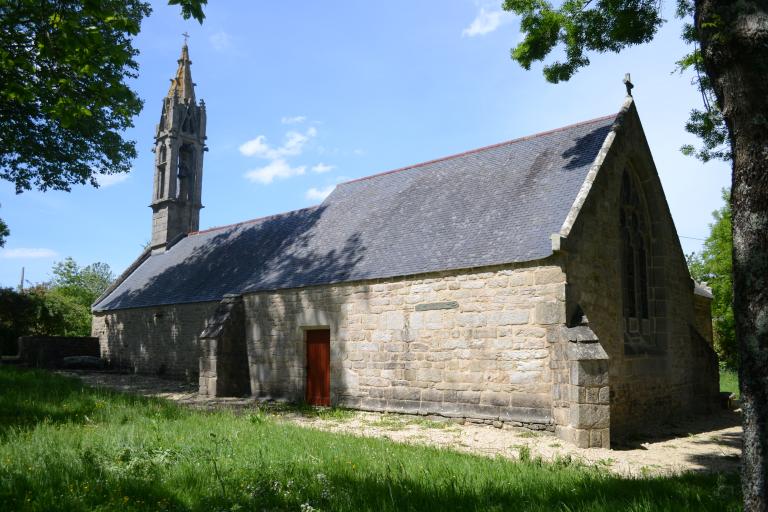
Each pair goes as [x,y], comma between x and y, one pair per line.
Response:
[477,150]
[249,221]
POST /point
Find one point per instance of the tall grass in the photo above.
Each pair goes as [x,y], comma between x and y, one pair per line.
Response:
[729,381]
[64,446]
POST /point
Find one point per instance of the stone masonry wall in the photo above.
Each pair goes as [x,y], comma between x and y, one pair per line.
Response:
[644,388]
[702,307]
[161,339]
[472,344]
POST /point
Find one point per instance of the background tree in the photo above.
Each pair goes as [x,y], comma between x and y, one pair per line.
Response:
[714,266]
[72,291]
[61,307]
[64,100]
[730,56]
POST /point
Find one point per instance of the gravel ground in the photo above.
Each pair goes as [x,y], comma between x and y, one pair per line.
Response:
[711,443]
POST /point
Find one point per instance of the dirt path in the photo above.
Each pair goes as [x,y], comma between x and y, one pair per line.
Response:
[705,444]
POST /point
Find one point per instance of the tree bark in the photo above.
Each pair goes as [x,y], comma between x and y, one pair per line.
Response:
[734,44]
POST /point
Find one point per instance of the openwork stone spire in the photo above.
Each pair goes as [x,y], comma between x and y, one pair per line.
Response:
[182,85]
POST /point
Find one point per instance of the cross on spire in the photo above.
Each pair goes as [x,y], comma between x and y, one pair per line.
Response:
[628,84]
[186,37]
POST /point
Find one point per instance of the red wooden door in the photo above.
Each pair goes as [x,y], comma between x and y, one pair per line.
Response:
[318,367]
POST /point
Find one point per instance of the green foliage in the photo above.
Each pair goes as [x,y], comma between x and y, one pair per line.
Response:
[64,100]
[65,103]
[715,267]
[707,124]
[71,293]
[191,8]
[35,312]
[85,284]
[729,381]
[4,232]
[61,307]
[64,446]
[578,27]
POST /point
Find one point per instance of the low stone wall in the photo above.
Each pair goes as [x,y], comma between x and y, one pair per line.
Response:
[48,351]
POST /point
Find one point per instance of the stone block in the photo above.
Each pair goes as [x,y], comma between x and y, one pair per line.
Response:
[480,411]
[424,374]
[578,437]
[406,393]
[549,275]
[468,397]
[403,406]
[589,373]
[513,317]
[494,398]
[561,415]
[530,400]
[373,404]
[470,320]
[547,313]
[600,438]
[519,277]
[526,415]
[590,416]
[392,320]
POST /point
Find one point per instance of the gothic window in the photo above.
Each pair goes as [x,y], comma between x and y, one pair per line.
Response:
[185,188]
[160,181]
[188,125]
[161,158]
[635,261]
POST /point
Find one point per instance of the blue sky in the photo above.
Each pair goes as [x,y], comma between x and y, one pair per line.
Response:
[301,95]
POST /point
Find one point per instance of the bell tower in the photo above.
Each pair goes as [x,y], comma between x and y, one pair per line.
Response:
[179,147]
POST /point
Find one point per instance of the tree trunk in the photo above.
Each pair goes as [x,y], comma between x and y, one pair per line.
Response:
[734,44]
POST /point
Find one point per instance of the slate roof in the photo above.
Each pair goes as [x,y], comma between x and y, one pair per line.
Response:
[493,205]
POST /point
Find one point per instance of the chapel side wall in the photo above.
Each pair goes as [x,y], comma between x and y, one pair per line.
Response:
[677,379]
[158,339]
[458,344]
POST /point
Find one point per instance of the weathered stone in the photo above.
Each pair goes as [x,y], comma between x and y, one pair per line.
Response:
[549,313]
[590,416]
[437,306]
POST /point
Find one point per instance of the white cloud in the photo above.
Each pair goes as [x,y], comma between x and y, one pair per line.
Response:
[293,145]
[220,40]
[255,147]
[319,194]
[293,119]
[321,168]
[107,180]
[27,253]
[275,169]
[486,22]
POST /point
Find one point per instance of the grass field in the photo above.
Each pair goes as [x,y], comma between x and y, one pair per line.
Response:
[64,446]
[729,381]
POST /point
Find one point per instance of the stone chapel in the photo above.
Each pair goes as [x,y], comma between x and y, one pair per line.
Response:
[537,282]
